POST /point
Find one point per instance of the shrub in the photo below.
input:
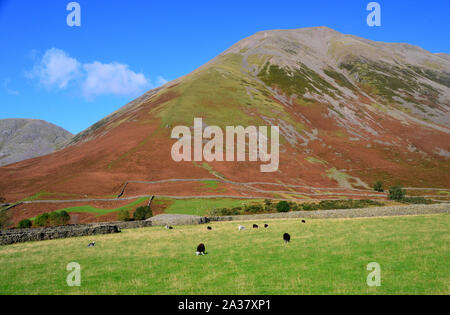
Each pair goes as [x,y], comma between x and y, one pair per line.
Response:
[25,224]
[2,200]
[225,211]
[310,206]
[340,204]
[124,215]
[396,193]
[364,203]
[64,218]
[347,204]
[5,219]
[142,213]
[283,206]
[217,212]
[378,186]
[417,200]
[52,219]
[268,205]
[42,220]
[254,208]
[58,218]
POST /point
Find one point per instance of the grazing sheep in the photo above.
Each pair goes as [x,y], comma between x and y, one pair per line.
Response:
[286,238]
[169,227]
[201,249]
[91,244]
[255,226]
[266,226]
[209,228]
[303,221]
[241,228]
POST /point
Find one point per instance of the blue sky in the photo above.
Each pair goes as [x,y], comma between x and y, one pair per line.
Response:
[124,48]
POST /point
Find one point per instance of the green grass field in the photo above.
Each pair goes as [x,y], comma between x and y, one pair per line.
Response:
[202,207]
[324,257]
[199,207]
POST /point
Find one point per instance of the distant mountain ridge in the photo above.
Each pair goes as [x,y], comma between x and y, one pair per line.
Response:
[22,139]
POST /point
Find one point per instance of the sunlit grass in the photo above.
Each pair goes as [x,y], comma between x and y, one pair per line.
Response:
[325,256]
[203,206]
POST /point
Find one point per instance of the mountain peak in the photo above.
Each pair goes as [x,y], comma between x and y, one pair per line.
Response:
[22,139]
[349,110]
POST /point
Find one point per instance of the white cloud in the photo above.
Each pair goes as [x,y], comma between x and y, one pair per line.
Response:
[112,78]
[56,69]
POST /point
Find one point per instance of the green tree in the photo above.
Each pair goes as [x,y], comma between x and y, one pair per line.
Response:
[396,193]
[58,218]
[378,186]
[142,213]
[25,224]
[123,215]
[53,218]
[64,218]
[283,206]
[42,220]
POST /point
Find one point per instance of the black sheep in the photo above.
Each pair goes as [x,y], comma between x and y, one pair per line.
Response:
[303,221]
[255,226]
[201,249]
[286,238]
[266,226]
[209,228]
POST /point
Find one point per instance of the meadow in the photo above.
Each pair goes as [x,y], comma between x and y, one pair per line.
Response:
[324,257]
[202,207]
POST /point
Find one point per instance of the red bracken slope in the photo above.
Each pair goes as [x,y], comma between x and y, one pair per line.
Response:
[350,112]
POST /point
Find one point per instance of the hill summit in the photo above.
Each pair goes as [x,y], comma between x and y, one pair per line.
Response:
[22,139]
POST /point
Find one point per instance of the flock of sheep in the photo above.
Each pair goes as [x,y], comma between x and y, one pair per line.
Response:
[201,249]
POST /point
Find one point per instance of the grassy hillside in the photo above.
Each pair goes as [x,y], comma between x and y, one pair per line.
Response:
[325,256]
